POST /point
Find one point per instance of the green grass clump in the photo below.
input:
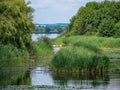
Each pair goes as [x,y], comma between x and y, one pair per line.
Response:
[43,47]
[75,59]
[11,56]
[108,42]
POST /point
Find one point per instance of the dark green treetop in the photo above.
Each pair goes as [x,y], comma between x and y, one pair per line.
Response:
[16,24]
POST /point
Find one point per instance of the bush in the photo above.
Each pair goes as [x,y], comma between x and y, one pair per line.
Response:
[45,40]
[42,47]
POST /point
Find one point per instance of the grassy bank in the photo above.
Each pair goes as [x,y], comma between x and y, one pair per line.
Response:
[79,59]
[11,56]
[86,53]
[40,50]
[102,42]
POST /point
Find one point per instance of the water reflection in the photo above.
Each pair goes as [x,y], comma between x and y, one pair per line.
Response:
[41,76]
[36,77]
[82,80]
[17,77]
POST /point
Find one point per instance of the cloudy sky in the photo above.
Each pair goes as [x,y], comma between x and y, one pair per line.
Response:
[56,11]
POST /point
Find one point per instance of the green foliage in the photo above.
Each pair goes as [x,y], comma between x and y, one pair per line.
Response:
[48,29]
[97,18]
[11,56]
[100,45]
[45,40]
[117,29]
[79,59]
[89,41]
[16,24]
[43,47]
[106,28]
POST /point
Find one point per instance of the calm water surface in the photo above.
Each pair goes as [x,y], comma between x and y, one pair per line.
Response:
[40,76]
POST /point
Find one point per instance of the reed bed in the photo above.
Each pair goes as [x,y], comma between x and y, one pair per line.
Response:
[108,42]
[79,59]
[86,53]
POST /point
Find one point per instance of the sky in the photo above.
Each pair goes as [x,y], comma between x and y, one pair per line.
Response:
[55,11]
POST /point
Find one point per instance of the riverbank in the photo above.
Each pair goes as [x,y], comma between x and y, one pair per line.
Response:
[104,46]
[11,56]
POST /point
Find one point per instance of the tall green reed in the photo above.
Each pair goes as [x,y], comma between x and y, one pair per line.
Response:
[79,59]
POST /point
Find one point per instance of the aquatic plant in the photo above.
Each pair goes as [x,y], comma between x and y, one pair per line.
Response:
[79,59]
[109,42]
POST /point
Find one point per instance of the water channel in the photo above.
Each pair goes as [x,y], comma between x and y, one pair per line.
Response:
[42,78]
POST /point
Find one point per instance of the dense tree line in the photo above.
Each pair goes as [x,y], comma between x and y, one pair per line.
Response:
[48,29]
[16,24]
[97,18]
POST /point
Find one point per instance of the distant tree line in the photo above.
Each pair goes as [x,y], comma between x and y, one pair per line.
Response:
[97,18]
[48,29]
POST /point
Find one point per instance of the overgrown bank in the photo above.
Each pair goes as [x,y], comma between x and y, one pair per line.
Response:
[11,56]
[16,27]
[86,53]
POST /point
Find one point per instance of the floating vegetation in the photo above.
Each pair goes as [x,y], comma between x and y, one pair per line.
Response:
[44,87]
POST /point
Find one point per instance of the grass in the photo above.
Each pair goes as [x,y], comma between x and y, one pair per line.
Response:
[79,59]
[108,46]
[91,47]
[98,41]
[11,56]
[41,49]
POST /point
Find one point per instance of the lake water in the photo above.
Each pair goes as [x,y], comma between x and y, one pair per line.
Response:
[41,78]
[36,36]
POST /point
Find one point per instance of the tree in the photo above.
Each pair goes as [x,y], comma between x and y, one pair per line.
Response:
[117,29]
[97,18]
[106,28]
[16,24]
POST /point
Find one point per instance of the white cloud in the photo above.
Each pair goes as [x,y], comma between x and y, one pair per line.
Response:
[51,11]
[55,4]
